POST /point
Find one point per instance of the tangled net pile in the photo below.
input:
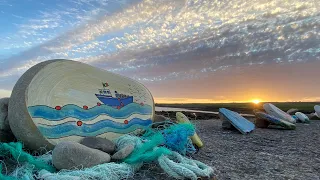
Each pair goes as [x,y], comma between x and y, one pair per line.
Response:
[164,145]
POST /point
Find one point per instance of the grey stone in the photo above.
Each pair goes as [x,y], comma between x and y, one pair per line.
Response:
[292,111]
[4,123]
[99,143]
[312,116]
[7,136]
[225,123]
[5,131]
[70,155]
[123,153]
[159,118]
[261,123]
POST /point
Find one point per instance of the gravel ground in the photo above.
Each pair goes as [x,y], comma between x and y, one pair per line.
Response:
[263,154]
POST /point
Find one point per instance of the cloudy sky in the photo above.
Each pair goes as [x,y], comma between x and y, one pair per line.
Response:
[182,50]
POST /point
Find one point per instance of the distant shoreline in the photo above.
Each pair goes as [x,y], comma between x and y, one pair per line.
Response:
[246,108]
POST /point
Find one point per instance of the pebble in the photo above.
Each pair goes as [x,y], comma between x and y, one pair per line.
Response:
[227,125]
[70,155]
[159,118]
[123,153]
[4,123]
[6,134]
[261,123]
[292,111]
[99,143]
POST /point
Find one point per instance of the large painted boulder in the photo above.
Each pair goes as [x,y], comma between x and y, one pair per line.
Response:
[63,100]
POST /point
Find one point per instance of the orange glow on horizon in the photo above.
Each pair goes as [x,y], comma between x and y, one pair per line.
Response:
[212,101]
[190,101]
[256,101]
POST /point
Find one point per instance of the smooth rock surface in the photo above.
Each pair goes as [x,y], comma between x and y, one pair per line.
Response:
[261,123]
[292,111]
[70,155]
[5,130]
[227,125]
[159,118]
[99,143]
[4,123]
[123,153]
[312,116]
[7,136]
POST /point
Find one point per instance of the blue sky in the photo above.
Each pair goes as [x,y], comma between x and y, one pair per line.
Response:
[163,43]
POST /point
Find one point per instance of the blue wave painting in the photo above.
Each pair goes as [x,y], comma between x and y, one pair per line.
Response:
[74,111]
[103,126]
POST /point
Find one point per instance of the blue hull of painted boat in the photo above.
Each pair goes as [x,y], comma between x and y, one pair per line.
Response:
[239,122]
[111,101]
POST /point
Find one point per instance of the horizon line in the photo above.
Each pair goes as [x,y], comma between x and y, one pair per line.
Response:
[238,102]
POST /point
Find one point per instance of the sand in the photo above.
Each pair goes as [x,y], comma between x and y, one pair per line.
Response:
[263,154]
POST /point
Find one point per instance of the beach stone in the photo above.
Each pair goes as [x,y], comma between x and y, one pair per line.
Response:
[292,111]
[123,153]
[99,143]
[64,100]
[312,116]
[70,155]
[225,123]
[261,123]
[7,136]
[159,118]
[4,123]
[5,131]
[160,121]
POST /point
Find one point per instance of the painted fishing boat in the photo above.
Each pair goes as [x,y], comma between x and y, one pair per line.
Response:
[118,100]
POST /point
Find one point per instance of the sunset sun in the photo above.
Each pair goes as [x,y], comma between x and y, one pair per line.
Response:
[256,101]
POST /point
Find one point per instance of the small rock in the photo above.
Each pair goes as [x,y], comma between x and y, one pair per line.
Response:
[70,155]
[292,111]
[99,143]
[4,123]
[159,118]
[123,153]
[227,125]
[312,116]
[261,123]
[6,134]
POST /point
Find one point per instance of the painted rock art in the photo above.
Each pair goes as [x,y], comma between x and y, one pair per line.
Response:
[62,100]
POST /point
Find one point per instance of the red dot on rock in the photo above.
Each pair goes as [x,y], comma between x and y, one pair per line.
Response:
[79,123]
[126,121]
[85,107]
[58,107]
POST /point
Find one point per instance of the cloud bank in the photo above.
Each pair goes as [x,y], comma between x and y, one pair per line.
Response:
[161,40]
